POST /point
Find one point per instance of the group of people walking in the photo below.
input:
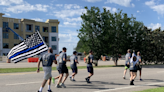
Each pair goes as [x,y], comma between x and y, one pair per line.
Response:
[133,63]
[61,60]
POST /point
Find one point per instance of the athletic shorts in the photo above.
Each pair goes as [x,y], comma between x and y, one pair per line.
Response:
[126,67]
[90,69]
[133,70]
[63,69]
[139,69]
[74,70]
[47,72]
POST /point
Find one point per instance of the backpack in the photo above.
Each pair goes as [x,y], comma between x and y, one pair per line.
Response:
[87,59]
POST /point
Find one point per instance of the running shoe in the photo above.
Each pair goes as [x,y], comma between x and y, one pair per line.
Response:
[53,80]
[124,78]
[58,86]
[38,91]
[86,79]
[70,78]
[49,91]
[140,79]
[62,85]
[73,80]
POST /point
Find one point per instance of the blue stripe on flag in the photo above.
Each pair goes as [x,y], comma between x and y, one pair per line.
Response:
[24,51]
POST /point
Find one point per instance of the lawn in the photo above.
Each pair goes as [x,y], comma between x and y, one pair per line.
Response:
[161,89]
[14,70]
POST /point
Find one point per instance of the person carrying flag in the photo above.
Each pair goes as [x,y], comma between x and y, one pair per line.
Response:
[47,60]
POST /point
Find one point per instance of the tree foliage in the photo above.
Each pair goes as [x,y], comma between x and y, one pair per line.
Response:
[109,33]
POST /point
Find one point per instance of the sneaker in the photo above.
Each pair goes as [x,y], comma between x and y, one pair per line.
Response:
[88,82]
[140,79]
[58,86]
[73,80]
[49,91]
[53,80]
[62,85]
[70,78]
[124,78]
[86,79]
[38,91]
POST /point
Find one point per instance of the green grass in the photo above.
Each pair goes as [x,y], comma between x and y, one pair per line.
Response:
[161,89]
[14,70]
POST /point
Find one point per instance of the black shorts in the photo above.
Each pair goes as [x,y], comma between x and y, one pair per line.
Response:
[139,69]
[63,69]
[133,70]
[90,69]
[74,70]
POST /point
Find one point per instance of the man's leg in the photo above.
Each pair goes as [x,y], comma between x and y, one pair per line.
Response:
[140,74]
[124,73]
[42,86]
[134,75]
[49,83]
[60,78]
[65,78]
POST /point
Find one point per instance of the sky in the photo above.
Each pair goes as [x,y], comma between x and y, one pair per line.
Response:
[68,12]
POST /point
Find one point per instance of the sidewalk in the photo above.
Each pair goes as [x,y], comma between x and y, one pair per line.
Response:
[26,64]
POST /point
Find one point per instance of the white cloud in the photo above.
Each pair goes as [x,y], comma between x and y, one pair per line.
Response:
[69,6]
[154,26]
[19,6]
[125,3]
[68,13]
[37,19]
[71,24]
[133,5]
[7,14]
[138,11]
[59,5]
[9,2]
[110,9]
[93,1]
[150,3]
[73,19]
[156,7]
[26,7]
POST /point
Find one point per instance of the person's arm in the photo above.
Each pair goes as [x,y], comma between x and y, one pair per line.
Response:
[76,60]
[91,59]
[38,66]
[54,60]
[64,57]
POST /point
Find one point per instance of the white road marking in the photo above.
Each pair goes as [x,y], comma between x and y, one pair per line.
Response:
[24,83]
[129,87]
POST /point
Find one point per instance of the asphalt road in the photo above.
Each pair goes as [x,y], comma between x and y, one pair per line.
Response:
[104,80]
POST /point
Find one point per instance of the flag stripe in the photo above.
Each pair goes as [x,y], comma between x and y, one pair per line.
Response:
[17,46]
[18,50]
[22,58]
[24,51]
[28,53]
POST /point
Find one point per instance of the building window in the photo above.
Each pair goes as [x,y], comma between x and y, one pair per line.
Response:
[5,35]
[27,36]
[45,29]
[53,29]
[5,25]
[53,38]
[15,36]
[15,44]
[29,28]
[16,26]
[54,47]
[45,39]
[5,54]
[37,28]
[5,45]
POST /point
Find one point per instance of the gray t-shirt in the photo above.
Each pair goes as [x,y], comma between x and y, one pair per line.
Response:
[73,63]
[57,59]
[47,59]
[139,57]
[90,64]
[61,57]
[127,58]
